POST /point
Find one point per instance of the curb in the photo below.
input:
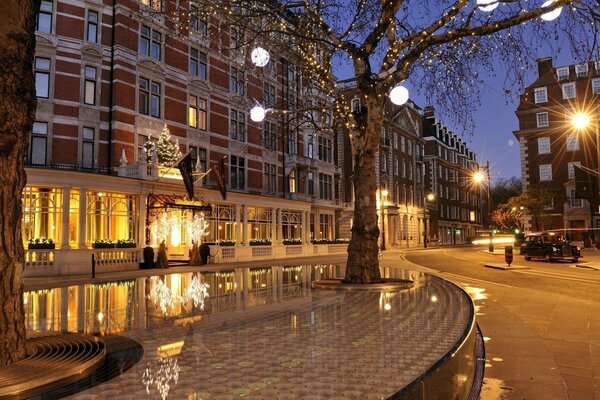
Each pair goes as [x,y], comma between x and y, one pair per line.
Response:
[506,267]
[587,266]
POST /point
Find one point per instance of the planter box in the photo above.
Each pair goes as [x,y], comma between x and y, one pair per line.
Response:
[126,245]
[260,244]
[227,244]
[41,246]
[103,245]
[292,243]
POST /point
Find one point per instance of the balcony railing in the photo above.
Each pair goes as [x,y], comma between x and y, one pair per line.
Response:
[70,167]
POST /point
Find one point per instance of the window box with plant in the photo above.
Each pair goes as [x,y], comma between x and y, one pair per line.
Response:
[126,243]
[291,242]
[103,244]
[260,242]
[227,243]
[41,243]
[330,241]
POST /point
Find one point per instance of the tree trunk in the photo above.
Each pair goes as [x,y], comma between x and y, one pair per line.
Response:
[17,111]
[363,262]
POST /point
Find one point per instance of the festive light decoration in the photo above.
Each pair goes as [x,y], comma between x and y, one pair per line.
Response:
[487,5]
[399,95]
[161,294]
[552,15]
[258,113]
[167,152]
[165,372]
[198,228]
[162,226]
[260,57]
[197,292]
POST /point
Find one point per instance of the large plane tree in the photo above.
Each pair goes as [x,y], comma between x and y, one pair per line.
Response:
[444,47]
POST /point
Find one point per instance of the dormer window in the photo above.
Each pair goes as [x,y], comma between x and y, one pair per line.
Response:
[562,73]
[540,95]
[581,70]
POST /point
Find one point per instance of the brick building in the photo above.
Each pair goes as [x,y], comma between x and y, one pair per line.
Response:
[110,75]
[399,172]
[456,210]
[551,146]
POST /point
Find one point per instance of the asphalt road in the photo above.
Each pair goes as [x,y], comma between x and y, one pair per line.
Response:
[541,325]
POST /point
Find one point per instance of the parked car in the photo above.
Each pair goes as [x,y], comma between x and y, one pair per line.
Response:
[549,246]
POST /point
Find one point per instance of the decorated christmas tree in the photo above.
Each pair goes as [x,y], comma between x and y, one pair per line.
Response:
[167,152]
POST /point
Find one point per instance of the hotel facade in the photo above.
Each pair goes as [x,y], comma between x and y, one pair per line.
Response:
[110,76]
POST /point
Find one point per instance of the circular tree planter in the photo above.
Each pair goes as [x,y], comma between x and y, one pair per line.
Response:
[386,284]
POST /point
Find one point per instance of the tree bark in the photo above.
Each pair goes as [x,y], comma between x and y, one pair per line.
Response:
[17,112]
[362,265]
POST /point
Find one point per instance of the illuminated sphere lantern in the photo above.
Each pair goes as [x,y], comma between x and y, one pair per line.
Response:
[399,95]
[257,113]
[552,15]
[260,57]
[487,5]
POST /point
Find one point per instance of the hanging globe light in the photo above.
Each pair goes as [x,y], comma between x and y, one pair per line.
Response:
[487,5]
[399,95]
[260,57]
[552,15]
[257,113]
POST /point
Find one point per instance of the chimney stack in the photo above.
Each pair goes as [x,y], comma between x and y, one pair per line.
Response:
[544,65]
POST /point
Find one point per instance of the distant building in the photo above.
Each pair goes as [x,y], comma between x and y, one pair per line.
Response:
[551,146]
[449,166]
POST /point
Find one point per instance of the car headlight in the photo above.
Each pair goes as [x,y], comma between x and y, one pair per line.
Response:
[578,249]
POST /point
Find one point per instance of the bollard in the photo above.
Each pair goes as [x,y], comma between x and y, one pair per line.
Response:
[508,254]
[93,266]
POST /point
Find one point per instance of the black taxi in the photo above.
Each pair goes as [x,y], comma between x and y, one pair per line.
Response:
[549,246]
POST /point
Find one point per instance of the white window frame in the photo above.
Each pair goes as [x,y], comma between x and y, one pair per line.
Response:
[540,95]
[571,169]
[544,145]
[545,171]
[566,87]
[542,122]
[581,70]
[572,142]
[562,74]
[596,86]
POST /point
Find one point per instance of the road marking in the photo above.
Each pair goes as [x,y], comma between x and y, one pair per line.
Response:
[557,275]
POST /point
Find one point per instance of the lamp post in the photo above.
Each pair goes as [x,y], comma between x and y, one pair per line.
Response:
[582,120]
[382,194]
[478,178]
[430,197]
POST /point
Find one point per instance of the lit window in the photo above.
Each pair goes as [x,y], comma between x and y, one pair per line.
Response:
[572,142]
[89,90]
[543,145]
[44,18]
[562,73]
[546,172]
[197,113]
[42,77]
[91,34]
[568,90]
[542,119]
[541,95]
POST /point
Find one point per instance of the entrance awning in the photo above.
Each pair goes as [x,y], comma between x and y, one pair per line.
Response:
[176,202]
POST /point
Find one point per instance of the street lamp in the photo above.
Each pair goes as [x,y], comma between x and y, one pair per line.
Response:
[382,194]
[580,121]
[430,198]
[479,177]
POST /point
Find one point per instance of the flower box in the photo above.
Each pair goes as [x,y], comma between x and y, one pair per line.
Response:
[103,245]
[41,246]
[227,243]
[127,245]
[292,242]
[260,242]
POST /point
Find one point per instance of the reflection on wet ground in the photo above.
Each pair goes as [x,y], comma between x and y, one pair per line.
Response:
[261,333]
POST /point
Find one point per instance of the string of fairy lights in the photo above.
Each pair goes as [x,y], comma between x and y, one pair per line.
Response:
[314,41]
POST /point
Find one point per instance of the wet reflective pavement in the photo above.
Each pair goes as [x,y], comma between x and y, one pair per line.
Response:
[263,333]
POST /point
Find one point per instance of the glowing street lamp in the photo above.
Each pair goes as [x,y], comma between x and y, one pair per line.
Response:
[487,5]
[478,178]
[382,195]
[551,15]
[258,113]
[399,95]
[430,198]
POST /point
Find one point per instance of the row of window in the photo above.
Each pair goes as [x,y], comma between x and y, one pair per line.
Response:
[44,22]
[581,71]
[569,91]
[454,212]
[38,149]
[544,146]
[546,170]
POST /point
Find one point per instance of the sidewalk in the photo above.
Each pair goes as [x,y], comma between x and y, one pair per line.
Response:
[539,345]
